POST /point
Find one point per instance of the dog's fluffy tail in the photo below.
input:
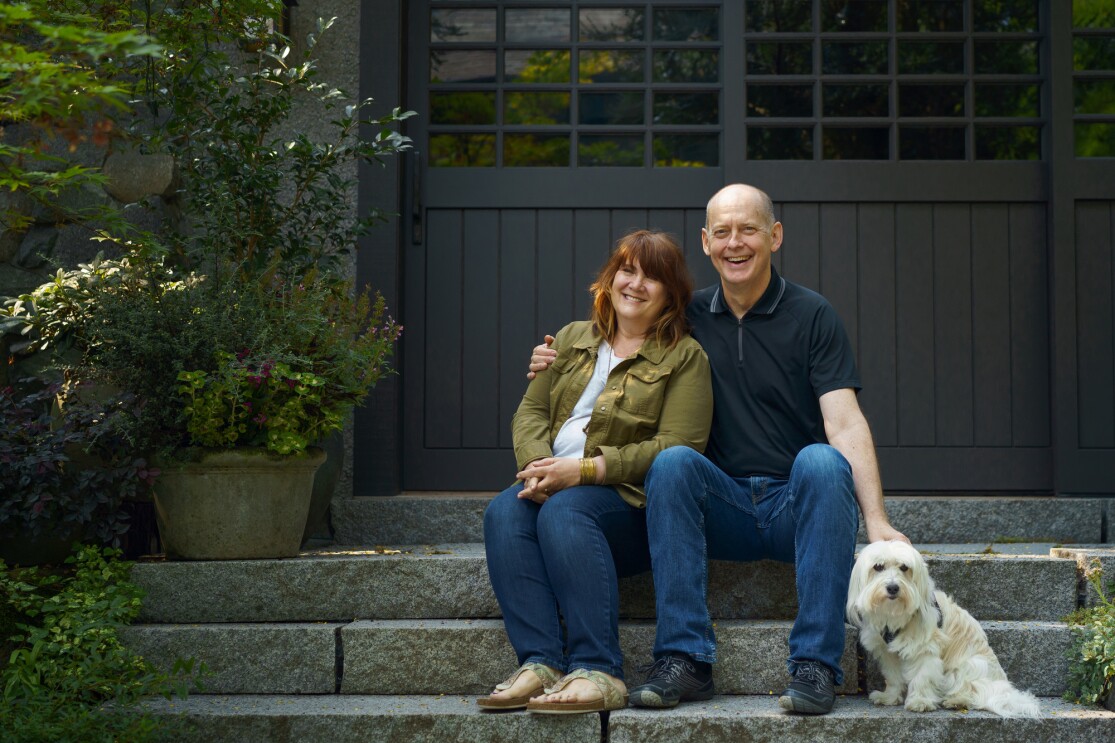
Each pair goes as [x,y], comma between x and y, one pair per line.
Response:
[1004,700]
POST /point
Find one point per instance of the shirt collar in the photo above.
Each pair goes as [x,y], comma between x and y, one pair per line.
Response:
[767,303]
[651,349]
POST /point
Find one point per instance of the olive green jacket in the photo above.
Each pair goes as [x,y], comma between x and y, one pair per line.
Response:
[654,399]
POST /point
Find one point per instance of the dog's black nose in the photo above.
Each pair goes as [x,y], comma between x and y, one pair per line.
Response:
[892,589]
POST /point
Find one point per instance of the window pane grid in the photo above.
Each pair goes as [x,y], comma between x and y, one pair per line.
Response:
[891,79]
[1093,82]
[568,84]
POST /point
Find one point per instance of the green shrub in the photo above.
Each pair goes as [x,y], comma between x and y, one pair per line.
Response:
[70,678]
[1092,656]
[292,386]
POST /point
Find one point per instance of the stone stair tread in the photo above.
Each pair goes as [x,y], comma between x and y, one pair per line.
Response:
[854,720]
[451,580]
[448,516]
[467,656]
[447,718]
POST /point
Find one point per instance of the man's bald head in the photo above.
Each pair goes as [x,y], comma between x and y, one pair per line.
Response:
[742,192]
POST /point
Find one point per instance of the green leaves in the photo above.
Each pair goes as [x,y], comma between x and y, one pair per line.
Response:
[1092,655]
[69,660]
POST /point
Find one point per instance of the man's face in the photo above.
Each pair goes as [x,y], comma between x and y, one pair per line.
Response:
[739,240]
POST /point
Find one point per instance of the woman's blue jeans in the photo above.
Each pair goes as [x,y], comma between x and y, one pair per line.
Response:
[562,560]
[695,512]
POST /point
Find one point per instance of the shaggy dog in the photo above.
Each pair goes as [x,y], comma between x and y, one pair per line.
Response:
[931,651]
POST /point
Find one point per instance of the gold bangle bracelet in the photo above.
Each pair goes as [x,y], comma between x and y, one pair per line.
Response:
[588,471]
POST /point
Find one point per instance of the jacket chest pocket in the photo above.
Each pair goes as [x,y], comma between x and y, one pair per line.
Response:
[566,387]
[644,390]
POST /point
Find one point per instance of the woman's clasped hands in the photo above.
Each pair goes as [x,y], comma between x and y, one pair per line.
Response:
[544,477]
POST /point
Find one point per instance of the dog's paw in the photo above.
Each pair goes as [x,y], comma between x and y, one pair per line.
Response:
[921,704]
[955,703]
[885,698]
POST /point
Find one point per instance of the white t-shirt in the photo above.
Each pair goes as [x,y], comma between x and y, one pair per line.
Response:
[570,441]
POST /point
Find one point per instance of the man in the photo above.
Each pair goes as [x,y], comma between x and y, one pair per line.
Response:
[789,456]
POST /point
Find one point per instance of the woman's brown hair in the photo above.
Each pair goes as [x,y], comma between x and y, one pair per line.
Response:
[661,259]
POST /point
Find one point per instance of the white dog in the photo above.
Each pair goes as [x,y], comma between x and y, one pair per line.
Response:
[931,651]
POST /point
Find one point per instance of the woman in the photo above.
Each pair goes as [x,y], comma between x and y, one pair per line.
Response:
[625,385]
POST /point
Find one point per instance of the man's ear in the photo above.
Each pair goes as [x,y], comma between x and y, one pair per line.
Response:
[776,237]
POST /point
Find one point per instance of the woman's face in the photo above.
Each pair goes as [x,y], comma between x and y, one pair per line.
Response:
[638,299]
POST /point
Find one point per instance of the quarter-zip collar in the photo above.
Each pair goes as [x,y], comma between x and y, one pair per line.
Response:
[767,303]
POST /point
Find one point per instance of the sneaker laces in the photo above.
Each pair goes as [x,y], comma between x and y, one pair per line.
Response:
[811,671]
[668,666]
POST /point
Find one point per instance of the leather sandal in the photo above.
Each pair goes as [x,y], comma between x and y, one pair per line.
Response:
[611,698]
[546,677]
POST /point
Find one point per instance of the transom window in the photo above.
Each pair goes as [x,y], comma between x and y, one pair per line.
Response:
[577,85]
[657,84]
[893,79]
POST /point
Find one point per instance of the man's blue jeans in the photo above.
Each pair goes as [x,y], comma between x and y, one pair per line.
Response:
[695,512]
[563,559]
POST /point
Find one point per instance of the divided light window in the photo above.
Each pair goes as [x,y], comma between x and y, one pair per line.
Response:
[1093,85]
[893,79]
[576,84]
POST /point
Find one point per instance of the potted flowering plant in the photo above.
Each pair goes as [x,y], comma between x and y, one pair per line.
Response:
[251,419]
[238,380]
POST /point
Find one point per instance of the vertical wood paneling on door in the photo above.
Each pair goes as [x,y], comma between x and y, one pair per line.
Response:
[671,221]
[625,221]
[1095,330]
[839,265]
[517,281]
[699,263]
[591,247]
[480,310]
[555,272]
[952,315]
[1030,336]
[914,323]
[443,329]
[801,244]
[991,325]
[876,320]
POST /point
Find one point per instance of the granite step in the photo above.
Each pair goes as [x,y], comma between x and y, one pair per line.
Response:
[998,582]
[453,719]
[468,656]
[458,517]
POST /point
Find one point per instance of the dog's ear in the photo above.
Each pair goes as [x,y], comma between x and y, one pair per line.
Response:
[927,590]
[855,588]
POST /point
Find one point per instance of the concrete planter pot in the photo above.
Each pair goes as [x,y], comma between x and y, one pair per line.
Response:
[234,504]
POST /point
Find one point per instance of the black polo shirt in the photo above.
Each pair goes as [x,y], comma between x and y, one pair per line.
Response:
[767,372]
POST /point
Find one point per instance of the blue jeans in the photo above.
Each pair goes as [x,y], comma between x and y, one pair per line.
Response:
[696,512]
[562,560]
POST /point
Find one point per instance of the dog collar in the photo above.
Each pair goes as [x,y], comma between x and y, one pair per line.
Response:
[889,635]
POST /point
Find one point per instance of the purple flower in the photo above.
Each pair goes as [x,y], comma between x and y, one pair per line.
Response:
[260,419]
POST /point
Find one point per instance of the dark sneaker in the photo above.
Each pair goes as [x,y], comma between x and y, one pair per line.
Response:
[811,692]
[672,679]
